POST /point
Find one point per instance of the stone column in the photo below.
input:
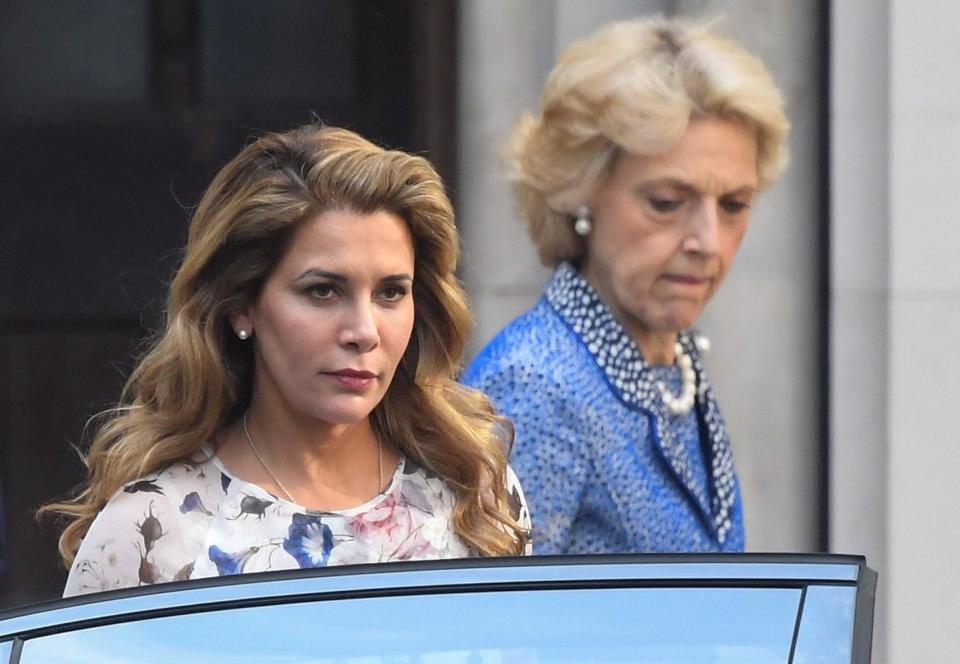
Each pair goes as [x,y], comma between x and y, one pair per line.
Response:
[859,294]
[923,542]
[506,49]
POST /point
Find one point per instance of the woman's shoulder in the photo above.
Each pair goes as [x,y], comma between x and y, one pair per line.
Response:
[182,489]
[537,343]
[522,331]
[427,490]
[177,483]
[138,537]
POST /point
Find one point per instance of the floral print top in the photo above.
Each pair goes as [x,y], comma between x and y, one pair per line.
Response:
[195,520]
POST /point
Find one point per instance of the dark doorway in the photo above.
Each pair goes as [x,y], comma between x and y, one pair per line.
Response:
[114,114]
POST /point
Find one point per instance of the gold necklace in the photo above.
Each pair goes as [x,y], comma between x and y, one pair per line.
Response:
[276,480]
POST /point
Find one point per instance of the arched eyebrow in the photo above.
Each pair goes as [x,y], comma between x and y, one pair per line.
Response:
[315,273]
[746,190]
[686,187]
[673,183]
[397,278]
[338,277]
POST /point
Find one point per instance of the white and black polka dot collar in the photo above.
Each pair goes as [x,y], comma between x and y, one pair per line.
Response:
[628,374]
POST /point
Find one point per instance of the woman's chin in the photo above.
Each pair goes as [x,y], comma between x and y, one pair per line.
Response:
[682,318]
[344,413]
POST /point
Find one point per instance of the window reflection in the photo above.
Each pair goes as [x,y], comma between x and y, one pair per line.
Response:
[716,625]
[826,629]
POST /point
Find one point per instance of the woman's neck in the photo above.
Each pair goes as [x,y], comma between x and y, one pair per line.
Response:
[306,441]
[321,465]
[657,349]
[657,346]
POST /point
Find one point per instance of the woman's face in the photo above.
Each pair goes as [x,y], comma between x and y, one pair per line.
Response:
[335,317]
[666,229]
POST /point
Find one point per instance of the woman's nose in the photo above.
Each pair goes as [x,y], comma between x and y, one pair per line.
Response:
[703,232]
[359,328]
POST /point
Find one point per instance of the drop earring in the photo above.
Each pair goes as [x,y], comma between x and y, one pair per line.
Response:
[582,224]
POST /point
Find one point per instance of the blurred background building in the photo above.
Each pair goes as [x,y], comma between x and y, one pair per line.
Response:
[832,338]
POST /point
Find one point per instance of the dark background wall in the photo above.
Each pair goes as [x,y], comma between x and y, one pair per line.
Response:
[114,114]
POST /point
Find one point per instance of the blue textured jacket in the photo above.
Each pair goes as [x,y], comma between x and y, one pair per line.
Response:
[600,462]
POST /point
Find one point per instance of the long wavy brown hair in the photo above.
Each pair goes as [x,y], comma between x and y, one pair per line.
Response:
[196,377]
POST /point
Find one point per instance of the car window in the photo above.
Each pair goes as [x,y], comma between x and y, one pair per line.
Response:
[6,649]
[826,629]
[717,625]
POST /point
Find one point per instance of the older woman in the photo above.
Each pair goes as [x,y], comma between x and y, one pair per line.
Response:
[300,408]
[637,181]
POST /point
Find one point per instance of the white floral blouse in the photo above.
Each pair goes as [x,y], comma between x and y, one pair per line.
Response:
[195,520]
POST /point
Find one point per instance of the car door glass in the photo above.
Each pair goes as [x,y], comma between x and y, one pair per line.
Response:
[6,649]
[826,629]
[716,625]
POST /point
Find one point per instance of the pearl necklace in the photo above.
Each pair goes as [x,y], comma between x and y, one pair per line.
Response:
[276,480]
[683,402]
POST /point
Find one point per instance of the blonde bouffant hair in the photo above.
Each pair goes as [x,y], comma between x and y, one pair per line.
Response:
[196,377]
[633,86]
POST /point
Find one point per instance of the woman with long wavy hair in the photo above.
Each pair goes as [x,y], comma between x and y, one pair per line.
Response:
[300,407]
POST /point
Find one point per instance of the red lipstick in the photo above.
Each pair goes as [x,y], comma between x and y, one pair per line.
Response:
[352,379]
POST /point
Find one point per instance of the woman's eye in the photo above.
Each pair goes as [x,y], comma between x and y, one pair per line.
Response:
[733,206]
[393,293]
[321,291]
[664,205]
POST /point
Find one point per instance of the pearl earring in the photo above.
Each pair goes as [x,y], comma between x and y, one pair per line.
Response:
[582,224]
[243,334]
